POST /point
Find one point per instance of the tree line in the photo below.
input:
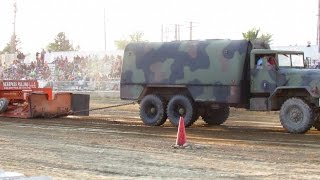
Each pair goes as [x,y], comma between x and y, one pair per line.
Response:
[62,42]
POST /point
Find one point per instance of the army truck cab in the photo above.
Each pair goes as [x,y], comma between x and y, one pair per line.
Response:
[206,78]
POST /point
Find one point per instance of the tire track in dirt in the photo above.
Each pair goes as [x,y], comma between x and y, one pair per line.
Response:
[111,146]
[198,133]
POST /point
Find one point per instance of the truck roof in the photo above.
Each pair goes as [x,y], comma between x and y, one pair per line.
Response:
[270,51]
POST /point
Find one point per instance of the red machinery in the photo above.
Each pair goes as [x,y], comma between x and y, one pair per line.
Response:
[24,99]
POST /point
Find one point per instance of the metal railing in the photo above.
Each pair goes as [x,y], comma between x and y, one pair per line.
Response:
[110,85]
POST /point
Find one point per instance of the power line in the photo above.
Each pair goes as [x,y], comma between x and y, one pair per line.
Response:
[191,26]
[166,31]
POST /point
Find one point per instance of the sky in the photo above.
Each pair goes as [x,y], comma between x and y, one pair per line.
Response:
[291,22]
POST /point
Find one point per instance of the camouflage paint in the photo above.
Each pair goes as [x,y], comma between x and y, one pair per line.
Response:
[307,78]
[197,65]
[268,79]
[258,104]
[264,79]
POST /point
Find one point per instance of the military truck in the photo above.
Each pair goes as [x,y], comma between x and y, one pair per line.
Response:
[205,78]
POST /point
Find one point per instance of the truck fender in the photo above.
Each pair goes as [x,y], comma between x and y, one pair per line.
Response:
[275,104]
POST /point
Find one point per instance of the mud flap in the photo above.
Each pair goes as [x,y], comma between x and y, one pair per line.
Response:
[41,106]
[80,104]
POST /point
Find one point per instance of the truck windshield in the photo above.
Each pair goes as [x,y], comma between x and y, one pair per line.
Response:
[291,60]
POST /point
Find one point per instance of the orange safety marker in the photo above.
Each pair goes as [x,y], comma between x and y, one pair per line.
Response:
[181,134]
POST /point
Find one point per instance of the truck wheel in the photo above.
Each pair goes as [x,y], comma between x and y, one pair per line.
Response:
[3,104]
[216,116]
[180,105]
[152,110]
[316,123]
[296,116]
[195,118]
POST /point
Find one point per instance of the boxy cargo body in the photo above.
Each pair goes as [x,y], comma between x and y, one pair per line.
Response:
[211,70]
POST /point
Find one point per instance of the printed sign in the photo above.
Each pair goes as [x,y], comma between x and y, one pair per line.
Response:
[18,84]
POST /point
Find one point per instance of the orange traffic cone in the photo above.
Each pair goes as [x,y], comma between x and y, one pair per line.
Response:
[181,134]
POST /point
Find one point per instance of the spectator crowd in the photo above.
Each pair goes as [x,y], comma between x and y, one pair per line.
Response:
[79,70]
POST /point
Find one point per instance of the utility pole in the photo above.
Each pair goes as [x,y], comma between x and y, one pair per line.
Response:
[104,27]
[177,32]
[167,31]
[191,25]
[191,29]
[13,38]
[318,27]
[162,33]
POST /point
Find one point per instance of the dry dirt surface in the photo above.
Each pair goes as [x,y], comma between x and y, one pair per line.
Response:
[114,144]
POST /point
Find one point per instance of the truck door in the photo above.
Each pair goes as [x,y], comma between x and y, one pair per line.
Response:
[263,74]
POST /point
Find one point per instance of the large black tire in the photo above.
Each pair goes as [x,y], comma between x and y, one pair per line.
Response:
[3,104]
[296,116]
[153,110]
[216,116]
[180,103]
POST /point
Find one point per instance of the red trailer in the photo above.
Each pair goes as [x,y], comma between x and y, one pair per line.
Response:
[24,99]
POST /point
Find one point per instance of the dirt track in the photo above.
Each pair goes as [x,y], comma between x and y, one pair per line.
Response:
[114,144]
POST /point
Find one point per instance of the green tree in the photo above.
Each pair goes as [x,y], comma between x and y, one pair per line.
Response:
[135,37]
[253,34]
[6,49]
[61,43]
[12,46]
[267,38]
[121,44]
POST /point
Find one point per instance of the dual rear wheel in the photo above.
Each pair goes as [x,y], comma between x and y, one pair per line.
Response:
[216,116]
[154,111]
[181,106]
